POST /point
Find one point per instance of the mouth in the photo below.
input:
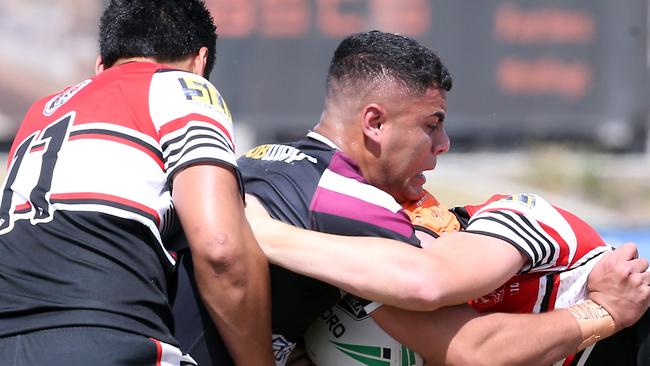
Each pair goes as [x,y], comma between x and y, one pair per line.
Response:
[428,170]
[420,179]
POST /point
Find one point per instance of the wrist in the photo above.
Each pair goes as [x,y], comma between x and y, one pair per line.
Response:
[594,321]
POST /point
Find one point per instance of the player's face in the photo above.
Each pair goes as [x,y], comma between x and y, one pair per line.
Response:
[413,137]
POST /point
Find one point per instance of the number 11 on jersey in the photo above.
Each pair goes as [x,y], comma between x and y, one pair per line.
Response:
[49,142]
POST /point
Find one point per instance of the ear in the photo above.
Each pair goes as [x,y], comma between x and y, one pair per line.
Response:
[373,118]
[99,65]
[200,61]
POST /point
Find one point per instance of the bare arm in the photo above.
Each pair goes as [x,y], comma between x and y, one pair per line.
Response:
[458,336]
[231,271]
[351,263]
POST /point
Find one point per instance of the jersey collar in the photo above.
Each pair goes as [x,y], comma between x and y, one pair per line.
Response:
[317,136]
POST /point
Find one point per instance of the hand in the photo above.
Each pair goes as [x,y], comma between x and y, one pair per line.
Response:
[620,284]
[299,357]
[431,214]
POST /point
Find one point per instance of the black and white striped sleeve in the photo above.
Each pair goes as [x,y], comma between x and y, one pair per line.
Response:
[523,221]
[193,122]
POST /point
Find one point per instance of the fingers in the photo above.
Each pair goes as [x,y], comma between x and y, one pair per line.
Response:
[639,264]
[645,278]
[626,251]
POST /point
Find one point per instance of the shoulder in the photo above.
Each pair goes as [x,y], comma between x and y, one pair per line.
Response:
[345,203]
[175,93]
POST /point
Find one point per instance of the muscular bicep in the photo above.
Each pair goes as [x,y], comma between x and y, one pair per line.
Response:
[482,263]
[207,200]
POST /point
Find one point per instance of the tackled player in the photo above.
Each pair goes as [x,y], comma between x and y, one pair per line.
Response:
[381,127]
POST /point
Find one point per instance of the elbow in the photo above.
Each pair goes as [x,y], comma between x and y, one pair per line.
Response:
[223,255]
[430,290]
[218,252]
[431,284]
[426,295]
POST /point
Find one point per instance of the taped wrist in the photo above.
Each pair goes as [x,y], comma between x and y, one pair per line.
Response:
[594,321]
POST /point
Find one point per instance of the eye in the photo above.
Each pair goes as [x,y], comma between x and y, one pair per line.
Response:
[432,126]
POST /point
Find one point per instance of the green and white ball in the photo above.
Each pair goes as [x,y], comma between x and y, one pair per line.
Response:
[346,336]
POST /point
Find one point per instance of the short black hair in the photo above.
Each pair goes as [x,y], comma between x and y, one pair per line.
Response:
[166,30]
[368,56]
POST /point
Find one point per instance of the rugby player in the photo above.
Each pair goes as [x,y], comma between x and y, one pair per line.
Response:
[381,127]
[100,175]
[562,250]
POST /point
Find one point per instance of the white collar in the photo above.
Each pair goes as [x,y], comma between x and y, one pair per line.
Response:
[317,136]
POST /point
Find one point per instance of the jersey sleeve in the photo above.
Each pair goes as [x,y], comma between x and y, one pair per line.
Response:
[551,238]
[192,120]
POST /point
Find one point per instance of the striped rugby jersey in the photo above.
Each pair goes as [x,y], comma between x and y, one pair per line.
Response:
[312,184]
[561,249]
[86,204]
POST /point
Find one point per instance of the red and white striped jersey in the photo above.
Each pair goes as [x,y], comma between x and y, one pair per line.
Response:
[86,204]
[560,247]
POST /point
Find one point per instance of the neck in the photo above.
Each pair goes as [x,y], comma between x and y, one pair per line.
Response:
[344,136]
[185,64]
[332,134]
[132,59]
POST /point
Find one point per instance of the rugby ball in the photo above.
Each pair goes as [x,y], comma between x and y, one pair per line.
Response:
[346,336]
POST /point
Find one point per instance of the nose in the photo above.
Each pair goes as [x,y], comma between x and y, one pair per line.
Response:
[441,143]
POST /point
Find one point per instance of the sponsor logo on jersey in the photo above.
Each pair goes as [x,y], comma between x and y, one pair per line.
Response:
[524,199]
[283,153]
[490,299]
[204,92]
[60,99]
[282,349]
[353,306]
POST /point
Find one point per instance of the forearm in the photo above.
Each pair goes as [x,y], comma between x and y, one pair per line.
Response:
[372,268]
[515,339]
[230,269]
[458,336]
[388,271]
[383,272]
[237,297]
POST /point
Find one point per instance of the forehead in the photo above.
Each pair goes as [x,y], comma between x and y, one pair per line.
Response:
[433,100]
[435,97]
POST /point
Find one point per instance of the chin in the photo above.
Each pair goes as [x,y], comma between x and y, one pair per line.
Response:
[413,194]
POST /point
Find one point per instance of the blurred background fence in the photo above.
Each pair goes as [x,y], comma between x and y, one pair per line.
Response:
[549,96]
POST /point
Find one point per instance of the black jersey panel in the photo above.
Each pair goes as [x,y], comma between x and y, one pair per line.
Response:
[315,186]
[76,270]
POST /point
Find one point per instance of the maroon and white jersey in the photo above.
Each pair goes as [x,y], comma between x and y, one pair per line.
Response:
[560,247]
[86,204]
[312,184]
